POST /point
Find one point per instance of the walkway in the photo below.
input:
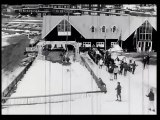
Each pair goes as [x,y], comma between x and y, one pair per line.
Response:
[132,100]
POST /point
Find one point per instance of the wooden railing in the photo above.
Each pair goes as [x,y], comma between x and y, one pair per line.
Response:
[42,99]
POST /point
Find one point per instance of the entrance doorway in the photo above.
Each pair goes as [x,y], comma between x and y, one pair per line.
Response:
[144,46]
[70,47]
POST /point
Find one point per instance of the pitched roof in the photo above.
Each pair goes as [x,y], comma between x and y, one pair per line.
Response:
[125,25]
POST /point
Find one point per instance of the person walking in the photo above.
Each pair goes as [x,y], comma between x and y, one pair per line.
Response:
[110,70]
[130,65]
[147,59]
[100,63]
[121,68]
[115,72]
[134,67]
[118,88]
[144,62]
[125,68]
[151,100]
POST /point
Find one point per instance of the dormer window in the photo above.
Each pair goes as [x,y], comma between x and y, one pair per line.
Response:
[114,29]
[92,29]
[103,29]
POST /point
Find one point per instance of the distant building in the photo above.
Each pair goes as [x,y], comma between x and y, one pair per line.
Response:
[87,9]
[129,32]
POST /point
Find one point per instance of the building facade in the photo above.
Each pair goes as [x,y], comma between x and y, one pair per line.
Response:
[131,33]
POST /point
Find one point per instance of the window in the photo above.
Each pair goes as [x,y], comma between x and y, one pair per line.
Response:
[113,43]
[103,29]
[86,44]
[86,13]
[92,29]
[94,8]
[93,13]
[86,5]
[64,28]
[94,5]
[145,31]
[100,44]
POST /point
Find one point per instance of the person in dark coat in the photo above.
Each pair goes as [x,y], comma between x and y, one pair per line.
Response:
[151,100]
[147,59]
[121,68]
[118,88]
[110,70]
[130,65]
[107,63]
[134,67]
[144,62]
[125,68]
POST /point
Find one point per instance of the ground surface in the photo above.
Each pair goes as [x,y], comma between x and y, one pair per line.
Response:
[134,89]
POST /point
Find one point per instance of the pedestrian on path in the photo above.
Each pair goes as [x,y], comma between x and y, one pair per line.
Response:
[115,72]
[121,68]
[118,88]
[144,62]
[130,65]
[125,68]
[110,70]
[151,100]
[134,67]
[100,63]
[147,59]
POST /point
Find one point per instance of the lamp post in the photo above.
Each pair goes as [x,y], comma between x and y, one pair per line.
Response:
[105,42]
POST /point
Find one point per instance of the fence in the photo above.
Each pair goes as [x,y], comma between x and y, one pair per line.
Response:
[29,100]
[12,85]
[98,82]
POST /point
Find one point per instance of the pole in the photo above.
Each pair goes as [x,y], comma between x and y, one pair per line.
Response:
[67,26]
[121,43]
[105,43]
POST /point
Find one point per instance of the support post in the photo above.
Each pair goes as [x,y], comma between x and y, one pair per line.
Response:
[144,46]
[105,43]
[151,46]
[121,43]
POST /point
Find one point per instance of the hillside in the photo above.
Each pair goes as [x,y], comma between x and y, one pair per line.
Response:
[14,52]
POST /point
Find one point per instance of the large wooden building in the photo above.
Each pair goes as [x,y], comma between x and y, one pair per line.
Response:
[131,32]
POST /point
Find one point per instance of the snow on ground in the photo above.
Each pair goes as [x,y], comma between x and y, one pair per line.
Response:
[53,78]
[5,37]
[134,89]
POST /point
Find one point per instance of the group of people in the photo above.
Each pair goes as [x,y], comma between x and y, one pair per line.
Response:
[117,66]
[121,67]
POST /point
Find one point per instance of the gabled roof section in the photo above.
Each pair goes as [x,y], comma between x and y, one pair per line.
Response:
[136,22]
[125,25]
[49,23]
